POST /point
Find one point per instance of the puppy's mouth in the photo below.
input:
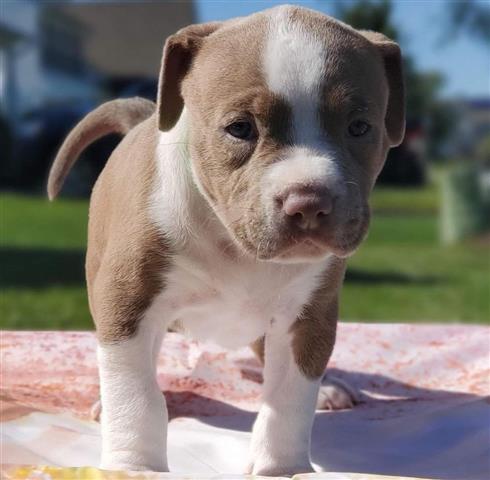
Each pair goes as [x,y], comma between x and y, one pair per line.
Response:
[307,249]
[312,249]
[314,245]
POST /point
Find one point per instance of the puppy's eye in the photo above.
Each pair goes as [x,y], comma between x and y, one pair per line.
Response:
[242,129]
[358,128]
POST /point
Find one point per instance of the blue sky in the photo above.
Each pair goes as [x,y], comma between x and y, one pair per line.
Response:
[464,62]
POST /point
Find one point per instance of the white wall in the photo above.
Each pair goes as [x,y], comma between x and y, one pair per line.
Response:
[22,17]
[34,85]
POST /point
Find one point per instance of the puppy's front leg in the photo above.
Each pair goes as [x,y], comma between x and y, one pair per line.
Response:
[134,414]
[294,362]
[281,434]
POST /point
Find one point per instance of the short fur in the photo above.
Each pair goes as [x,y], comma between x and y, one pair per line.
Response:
[127,255]
[188,225]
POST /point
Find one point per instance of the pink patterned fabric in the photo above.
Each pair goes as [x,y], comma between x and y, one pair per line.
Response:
[422,387]
[56,371]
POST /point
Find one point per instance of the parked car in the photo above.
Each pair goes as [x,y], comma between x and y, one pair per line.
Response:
[41,132]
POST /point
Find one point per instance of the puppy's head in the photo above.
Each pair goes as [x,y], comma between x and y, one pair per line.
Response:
[291,114]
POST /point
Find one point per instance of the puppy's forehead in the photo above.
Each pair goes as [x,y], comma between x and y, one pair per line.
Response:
[291,52]
[230,58]
[295,55]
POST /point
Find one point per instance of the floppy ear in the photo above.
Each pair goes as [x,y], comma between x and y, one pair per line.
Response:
[395,114]
[178,52]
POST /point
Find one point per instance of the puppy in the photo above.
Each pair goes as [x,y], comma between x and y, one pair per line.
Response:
[229,210]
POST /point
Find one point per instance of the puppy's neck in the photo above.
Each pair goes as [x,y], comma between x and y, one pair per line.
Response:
[177,206]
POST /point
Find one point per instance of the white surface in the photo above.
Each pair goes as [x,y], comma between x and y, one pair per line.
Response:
[448,441]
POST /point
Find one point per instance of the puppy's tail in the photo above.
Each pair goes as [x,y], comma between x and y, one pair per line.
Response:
[116,116]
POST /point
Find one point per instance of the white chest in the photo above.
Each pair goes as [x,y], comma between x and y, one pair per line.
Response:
[232,303]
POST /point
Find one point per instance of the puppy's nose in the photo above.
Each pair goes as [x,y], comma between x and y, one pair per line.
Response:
[307,207]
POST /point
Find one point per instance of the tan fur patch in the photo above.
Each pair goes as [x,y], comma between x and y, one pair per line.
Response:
[392,60]
[126,256]
[314,331]
[178,52]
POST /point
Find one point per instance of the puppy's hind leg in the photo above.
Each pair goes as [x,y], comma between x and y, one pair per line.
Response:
[334,394]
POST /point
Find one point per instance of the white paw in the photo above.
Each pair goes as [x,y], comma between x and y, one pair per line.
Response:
[130,467]
[335,394]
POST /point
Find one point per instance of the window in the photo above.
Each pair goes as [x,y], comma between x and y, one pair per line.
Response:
[61,46]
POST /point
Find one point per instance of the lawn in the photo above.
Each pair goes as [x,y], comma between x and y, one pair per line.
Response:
[401,273]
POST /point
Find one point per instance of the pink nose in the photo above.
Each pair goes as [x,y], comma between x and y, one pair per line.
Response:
[308,207]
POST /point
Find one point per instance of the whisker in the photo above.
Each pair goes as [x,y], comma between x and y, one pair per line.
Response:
[352,183]
[174,143]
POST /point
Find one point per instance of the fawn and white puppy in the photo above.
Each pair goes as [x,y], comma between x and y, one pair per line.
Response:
[228,211]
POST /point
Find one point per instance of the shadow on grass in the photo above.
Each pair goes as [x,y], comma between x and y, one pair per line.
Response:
[41,267]
[354,275]
[44,267]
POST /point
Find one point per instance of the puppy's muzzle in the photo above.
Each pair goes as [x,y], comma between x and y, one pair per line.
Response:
[306,208]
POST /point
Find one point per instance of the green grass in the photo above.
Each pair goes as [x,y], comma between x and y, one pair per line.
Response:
[42,248]
[401,273]
[36,222]
[406,200]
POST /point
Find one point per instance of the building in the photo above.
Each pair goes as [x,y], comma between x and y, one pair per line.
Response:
[59,59]
[41,58]
[126,38]
[55,52]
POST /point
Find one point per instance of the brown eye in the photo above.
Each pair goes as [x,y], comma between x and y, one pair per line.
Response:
[358,128]
[242,130]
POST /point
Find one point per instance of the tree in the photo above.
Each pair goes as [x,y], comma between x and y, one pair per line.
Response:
[471,17]
[369,15]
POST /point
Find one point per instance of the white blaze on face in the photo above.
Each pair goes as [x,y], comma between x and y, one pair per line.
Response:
[294,65]
[302,166]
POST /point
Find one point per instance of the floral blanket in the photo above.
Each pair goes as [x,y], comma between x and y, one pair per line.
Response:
[424,411]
